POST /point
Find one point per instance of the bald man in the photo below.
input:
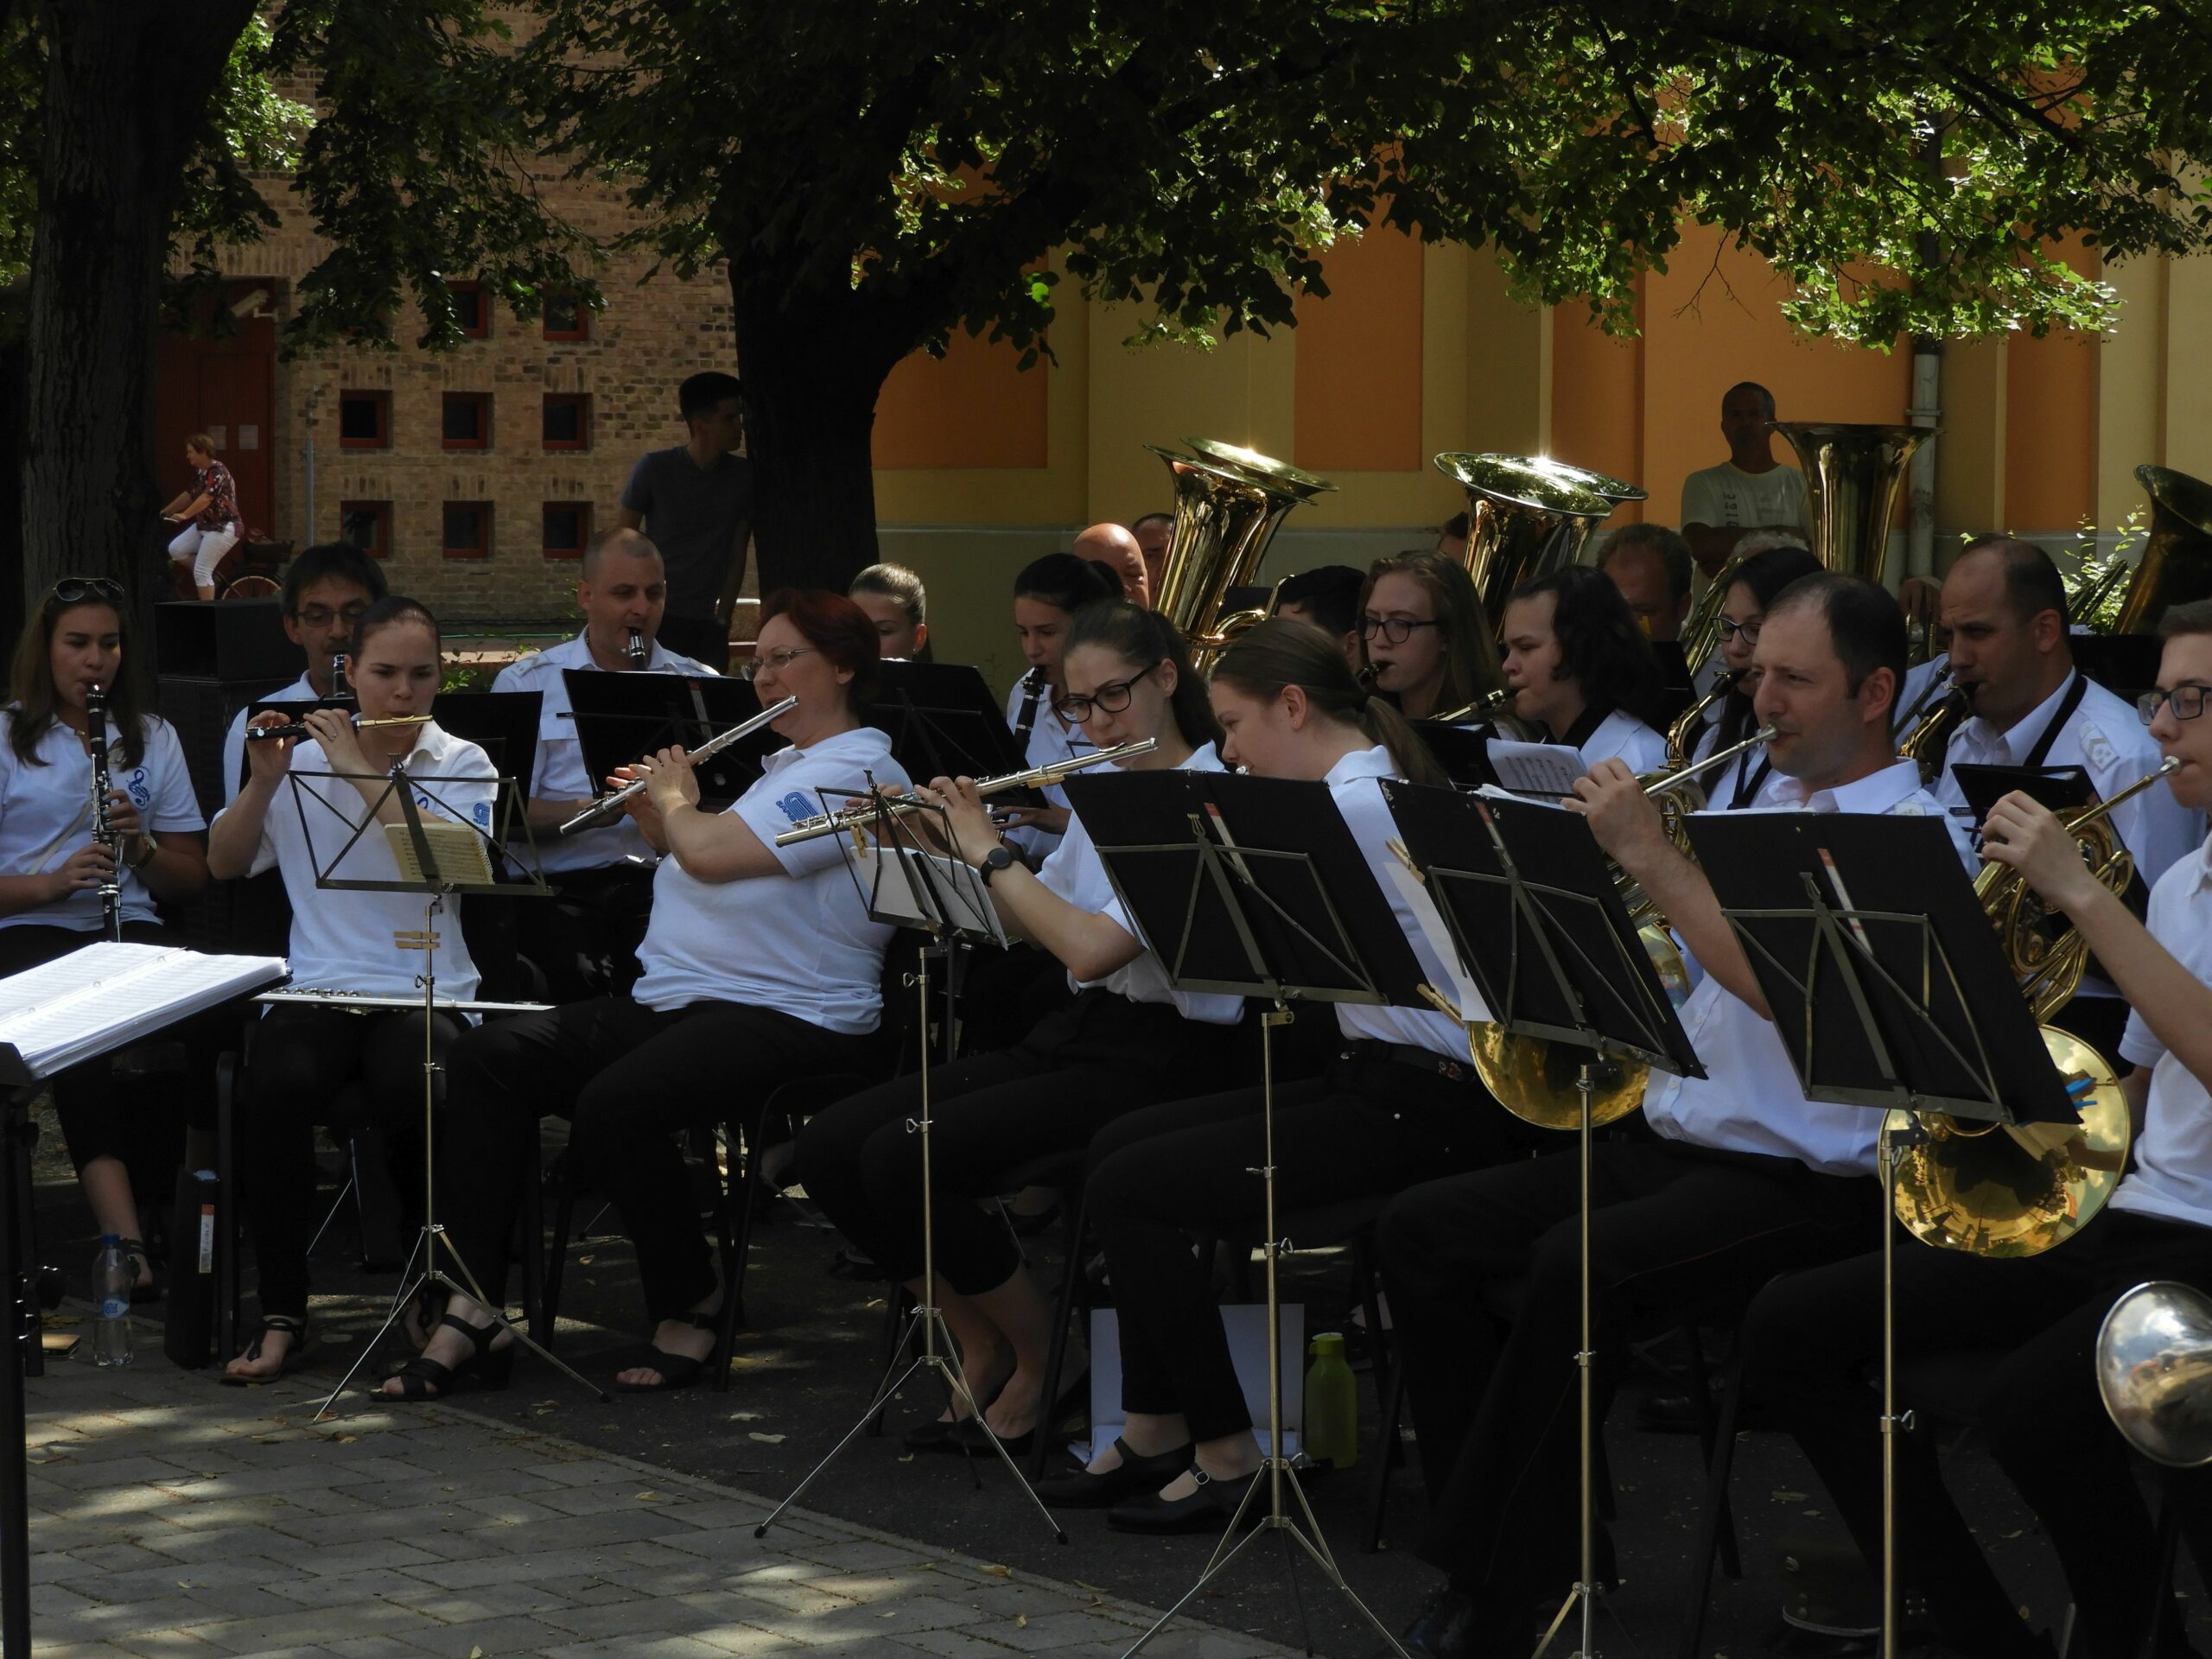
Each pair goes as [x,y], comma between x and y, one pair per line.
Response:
[1117,549]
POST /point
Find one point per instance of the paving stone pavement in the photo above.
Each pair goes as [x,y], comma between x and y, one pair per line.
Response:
[172,1518]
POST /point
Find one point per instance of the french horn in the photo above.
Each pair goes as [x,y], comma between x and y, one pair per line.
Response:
[2154,1371]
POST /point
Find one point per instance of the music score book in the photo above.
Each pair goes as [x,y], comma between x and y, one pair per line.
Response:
[109,995]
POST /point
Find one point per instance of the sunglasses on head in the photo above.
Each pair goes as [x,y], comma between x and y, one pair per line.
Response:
[74,590]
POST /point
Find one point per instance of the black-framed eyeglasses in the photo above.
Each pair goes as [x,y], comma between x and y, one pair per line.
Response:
[1394,630]
[2188,702]
[1110,698]
[1730,627]
[74,590]
[754,667]
[321,616]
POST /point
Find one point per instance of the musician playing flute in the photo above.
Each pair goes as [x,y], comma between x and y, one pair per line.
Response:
[80,637]
[760,966]
[304,799]
[1742,1177]
[1808,1337]
[1126,1039]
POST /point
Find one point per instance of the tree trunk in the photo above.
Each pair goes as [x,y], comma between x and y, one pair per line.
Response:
[126,93]
[813,363]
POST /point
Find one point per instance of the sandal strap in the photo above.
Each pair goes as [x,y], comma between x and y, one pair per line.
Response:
[283,1324]
[422,1374]
[480,1336]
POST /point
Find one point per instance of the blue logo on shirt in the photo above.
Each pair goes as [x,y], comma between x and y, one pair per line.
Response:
[141,795]
[483,811]
[796,807]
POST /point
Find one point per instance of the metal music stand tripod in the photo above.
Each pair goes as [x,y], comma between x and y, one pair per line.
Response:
[448,860]
[1244,908]
[1537,919]
[902,884]
[1889,989]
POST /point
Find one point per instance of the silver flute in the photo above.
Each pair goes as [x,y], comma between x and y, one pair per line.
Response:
[608,805]
[859,818]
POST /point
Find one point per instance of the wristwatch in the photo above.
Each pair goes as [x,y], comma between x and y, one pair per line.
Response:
[998,858]
[146,857]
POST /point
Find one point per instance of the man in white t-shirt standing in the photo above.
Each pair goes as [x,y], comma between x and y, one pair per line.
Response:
[1749,492]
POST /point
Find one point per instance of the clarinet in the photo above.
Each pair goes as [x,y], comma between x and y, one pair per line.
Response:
[338,690]
[1033,692]
[103,820]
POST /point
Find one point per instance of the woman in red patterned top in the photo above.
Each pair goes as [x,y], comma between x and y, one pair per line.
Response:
[208,511]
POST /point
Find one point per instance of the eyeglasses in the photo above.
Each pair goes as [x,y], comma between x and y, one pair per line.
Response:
[2188,702]
[74,590]
[754,667]
[1110,698]
[1394,630]
[321,616]
[1729,628]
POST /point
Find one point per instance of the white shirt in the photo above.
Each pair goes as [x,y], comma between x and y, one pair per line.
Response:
[559,773]
[300,691]
[2173,1175]
[1622,735]
[1352,786]
[1752,1101]
[46,814]
[800,943]
[1728,498]
[1049,741]
[342,938]
[1077,873]
[1721,785]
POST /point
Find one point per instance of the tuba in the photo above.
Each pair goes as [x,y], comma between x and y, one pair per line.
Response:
[1229,503]
[1527,516]
[1994,1190]
[2154,1369]
[2175,565]
[1853,475]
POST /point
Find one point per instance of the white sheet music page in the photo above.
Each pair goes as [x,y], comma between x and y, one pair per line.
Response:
[890,890]
[1466,994]
[109,995]
[1536,768]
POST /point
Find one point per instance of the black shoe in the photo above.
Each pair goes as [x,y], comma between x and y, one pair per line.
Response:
[936,1435]
[1444,1628]
[1207,1509]
[1078,1489]
[969,1434]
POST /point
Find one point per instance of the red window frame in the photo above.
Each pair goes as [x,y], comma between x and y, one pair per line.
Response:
[575,548]
[379,514]
[578,325]
[481,402]
[481,547]
[381,403]
[579,401]
[481,329]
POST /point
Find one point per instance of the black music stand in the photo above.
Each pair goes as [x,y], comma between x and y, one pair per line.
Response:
[1539,923]
[621,716]
[944,723]
[947,900]
[1462,751]
[456,857]
[1889,989]
[1254,887]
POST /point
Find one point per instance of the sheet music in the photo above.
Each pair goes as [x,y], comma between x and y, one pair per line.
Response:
[1466,994]
[891,892]
[1536,768]
[107,994]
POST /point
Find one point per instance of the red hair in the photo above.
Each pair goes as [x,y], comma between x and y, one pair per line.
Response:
[837,628]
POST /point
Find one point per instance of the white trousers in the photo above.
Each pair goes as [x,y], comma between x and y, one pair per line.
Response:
[204,548]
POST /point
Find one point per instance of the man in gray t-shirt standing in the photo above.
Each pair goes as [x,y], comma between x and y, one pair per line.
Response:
[695,501]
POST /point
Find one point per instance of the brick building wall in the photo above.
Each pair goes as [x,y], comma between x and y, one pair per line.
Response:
[651,335]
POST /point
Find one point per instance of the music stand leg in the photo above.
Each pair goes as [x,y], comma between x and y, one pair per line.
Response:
[1276,1472]
[1893,1423]
[1584,1596]
[934,1357]
[432,1235]
[23,1330]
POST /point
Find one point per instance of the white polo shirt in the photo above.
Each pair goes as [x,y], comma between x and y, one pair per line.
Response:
[300,691]
[801,942]
[1752,1101]
[46,814]
[342,938]
[1077,873]
[1049,741]
[1622,736]
[1720,786]
[2172,1176]
[558,773]
[1352,786]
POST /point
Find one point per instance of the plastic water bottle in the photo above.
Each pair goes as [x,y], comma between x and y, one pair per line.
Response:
[1331,1405]
[114,1275]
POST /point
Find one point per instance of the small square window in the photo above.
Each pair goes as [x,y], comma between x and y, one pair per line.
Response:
[468,529]
[568,420]
[365,420]
[367,526]
[466,421]
[472,308]
[566,318]
[567,528]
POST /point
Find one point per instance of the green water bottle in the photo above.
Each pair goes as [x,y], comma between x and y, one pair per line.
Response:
[1331,1405]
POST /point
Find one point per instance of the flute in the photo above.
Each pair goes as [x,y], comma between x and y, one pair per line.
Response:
[607,806]
[299,727]
[859,818]
[634,649]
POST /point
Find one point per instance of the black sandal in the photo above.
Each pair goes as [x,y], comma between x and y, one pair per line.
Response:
[486,1367]
[676,1370]
[295,1357]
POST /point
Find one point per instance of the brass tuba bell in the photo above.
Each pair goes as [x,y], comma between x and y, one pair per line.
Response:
[2175,565]
[1853,475]
[2154,1369]
[1229,503]
[1527,516]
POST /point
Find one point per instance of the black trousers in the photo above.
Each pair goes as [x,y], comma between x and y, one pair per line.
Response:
[95,1123]
[1810,1340]
[1099,1058]
[700,637]
[585,941]
[1483,1272]
[301,1058]
[1371,1125]
[628,1077]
